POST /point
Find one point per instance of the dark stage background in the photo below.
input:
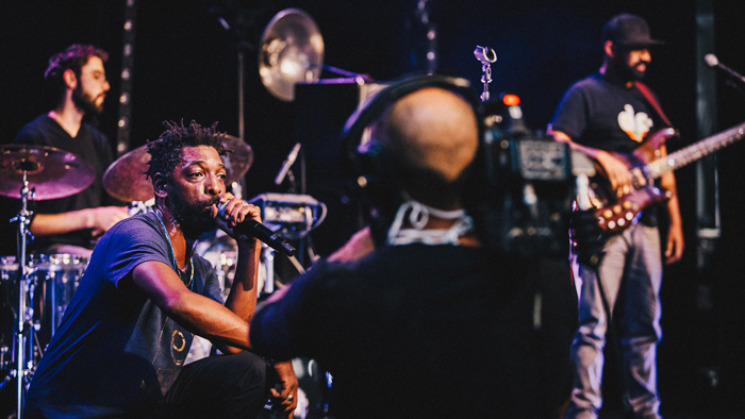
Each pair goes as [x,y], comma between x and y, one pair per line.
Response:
[186,67]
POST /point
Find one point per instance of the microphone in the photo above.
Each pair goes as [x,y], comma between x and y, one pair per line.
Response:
[485,54]
[251,227]
[712,61]
[289,161]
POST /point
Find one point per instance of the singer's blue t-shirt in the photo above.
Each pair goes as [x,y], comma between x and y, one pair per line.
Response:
[116,353]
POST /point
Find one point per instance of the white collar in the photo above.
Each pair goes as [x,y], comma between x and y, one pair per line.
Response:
[418,216]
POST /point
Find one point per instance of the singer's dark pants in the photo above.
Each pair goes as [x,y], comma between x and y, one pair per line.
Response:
[221,386]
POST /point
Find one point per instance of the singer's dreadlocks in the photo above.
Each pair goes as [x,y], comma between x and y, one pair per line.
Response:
[166,150]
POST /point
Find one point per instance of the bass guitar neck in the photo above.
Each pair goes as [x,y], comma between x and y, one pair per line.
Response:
[616,214]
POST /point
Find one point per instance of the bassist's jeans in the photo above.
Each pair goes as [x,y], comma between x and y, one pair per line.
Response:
[631,274]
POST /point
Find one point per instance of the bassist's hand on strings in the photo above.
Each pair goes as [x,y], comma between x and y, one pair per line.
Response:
[618,173]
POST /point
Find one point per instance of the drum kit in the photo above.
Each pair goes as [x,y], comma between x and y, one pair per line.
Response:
[34,294]
[35,173]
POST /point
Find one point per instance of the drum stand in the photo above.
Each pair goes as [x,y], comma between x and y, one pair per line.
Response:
[292,216]
[24,338]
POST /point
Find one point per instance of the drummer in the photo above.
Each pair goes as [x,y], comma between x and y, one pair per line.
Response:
[77,80]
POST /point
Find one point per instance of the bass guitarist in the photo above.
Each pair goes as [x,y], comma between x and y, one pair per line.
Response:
[606,114]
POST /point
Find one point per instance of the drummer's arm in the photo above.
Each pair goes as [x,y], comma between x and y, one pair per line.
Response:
[96,219]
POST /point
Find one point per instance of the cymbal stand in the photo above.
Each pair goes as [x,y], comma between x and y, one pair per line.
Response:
[23,316]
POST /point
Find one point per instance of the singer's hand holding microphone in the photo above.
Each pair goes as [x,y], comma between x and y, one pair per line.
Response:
[239,218]
[232,211]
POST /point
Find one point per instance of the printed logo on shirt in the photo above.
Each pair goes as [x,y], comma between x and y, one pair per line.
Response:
[635,125]
[178,344]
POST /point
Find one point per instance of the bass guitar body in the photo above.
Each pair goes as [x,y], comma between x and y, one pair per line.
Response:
[647,163]
[615,213]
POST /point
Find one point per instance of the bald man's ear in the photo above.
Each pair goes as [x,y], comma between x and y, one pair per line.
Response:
[609,49]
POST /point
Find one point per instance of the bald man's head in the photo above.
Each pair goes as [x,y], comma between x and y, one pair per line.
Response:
[432,136]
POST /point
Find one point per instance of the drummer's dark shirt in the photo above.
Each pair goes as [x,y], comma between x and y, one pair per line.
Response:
[92,146]
[116,353]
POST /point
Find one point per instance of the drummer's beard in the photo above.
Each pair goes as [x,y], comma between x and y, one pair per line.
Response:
[85,102]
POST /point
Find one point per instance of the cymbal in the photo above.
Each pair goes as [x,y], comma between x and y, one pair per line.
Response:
[291,52]
[51,172]
[239,158]
[125,179]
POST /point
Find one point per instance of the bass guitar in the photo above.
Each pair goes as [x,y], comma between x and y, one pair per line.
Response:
[646,163]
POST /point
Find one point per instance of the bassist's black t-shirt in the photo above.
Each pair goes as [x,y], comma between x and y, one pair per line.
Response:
[598,113]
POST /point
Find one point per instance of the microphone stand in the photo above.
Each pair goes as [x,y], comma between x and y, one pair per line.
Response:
[485,80]
[486,56]
[239,23]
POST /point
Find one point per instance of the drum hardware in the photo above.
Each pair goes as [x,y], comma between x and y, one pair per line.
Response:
[139,207]
[126,180]
[291,216]
[34,173]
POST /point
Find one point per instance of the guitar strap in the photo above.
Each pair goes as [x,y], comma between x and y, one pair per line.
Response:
[652,101]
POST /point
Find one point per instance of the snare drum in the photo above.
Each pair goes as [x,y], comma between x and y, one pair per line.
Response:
[56,278]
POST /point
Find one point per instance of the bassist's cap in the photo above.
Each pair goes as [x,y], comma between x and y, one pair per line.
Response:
[629,31]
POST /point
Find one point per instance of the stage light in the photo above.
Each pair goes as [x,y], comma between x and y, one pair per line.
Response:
[510,99]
